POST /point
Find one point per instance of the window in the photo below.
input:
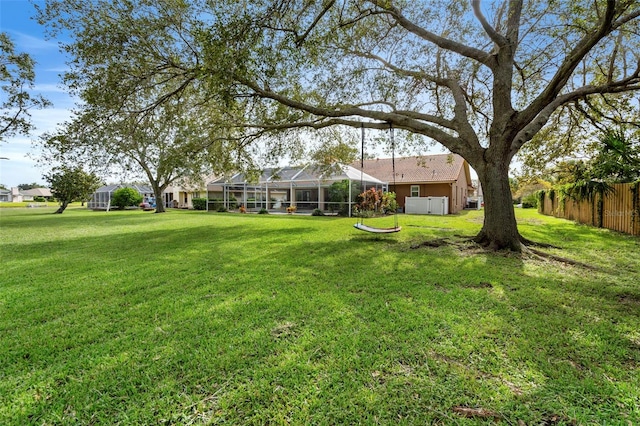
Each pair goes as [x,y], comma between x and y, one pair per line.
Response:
[415,190]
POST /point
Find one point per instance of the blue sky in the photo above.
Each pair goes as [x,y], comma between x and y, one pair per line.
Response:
[16,19]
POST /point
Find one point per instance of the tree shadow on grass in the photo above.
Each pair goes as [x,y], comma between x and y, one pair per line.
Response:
[251,320]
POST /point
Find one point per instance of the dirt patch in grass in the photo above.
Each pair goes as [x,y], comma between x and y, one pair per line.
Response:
[557,419]
[480,285]
[481,413]
[283,330]
[438,242]
[629,299]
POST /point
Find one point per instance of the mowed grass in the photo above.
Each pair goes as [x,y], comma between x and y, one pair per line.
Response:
[206,318]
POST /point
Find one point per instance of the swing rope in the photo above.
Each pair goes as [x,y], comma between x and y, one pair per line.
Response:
[360,224]
[393,170]
[362,188]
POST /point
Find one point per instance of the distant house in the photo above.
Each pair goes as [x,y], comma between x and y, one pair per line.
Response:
[15,195]
[101,199]
[440,175]
[37,192]
[179,195]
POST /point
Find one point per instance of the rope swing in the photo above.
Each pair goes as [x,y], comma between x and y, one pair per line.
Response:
[360,224]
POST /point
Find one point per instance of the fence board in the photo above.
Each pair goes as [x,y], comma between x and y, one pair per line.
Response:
[618,211]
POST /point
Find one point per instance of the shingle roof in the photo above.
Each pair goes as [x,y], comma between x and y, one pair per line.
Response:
[423,168]
[37,192]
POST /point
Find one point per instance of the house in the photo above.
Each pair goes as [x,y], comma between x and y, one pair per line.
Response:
[15,195]
[101,199]
[475,201]
[5,195]
[440,175]
[304,188]
[183,191]
[179,195]
[37,192]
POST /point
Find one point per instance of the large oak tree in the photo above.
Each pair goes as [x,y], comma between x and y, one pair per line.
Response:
[482,79]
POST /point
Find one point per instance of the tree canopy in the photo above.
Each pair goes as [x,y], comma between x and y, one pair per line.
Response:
[482,79]
[173,140]
[25,186]
[69,184]
[17,78]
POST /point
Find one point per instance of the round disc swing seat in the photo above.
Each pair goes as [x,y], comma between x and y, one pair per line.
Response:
[360,224]
[372,229]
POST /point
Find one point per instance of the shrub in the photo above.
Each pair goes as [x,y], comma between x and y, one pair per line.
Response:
[222,209]
[374,202]
[530,201]
[199,203]
[126,197]
[218,203]
[317,212]
[39,199]
[263,211]
[389,203]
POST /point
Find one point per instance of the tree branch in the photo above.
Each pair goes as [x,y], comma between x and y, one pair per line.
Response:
[513,22]
[325,9]
[626,18]
[460,122]
[496,37]
[442,42]
[460,144]
[573,59]
[629,84]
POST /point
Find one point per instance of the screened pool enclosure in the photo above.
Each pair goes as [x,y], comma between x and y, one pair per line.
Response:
[305,188]
[101,199]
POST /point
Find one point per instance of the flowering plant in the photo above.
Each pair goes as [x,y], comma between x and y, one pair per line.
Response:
[375,202]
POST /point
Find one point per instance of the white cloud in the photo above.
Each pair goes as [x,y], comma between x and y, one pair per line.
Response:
[49,88]
[30,43]
[46,120]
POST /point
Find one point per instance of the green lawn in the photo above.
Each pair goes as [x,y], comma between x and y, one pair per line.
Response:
[205,318]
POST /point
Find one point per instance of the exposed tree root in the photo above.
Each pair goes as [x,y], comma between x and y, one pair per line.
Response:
[548,256]
[529,243]
[527,248]
[515,244]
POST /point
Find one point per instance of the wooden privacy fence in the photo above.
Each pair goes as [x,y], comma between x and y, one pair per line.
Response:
[619,210]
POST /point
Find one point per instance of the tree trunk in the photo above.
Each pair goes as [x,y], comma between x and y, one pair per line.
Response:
[62,207]
[157,192]
[500,230]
